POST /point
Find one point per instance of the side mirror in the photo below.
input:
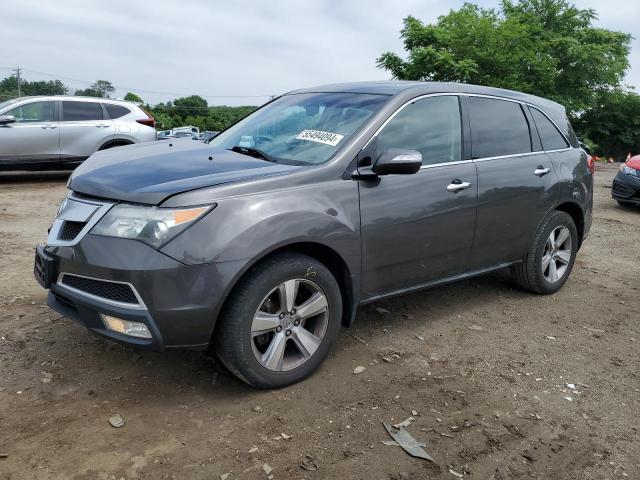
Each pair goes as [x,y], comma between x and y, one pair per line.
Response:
[4,119]
[397,161]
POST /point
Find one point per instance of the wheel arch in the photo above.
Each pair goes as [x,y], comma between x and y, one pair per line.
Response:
[115,142]
[577,214]
[329,257]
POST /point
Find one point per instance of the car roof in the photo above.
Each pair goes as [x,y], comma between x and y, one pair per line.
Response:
[396,87]
[77,98]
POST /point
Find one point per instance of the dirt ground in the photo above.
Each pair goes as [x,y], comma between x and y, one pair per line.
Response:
[482,367]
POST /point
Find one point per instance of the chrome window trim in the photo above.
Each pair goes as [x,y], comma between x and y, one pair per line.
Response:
[555,125]
[131,306]
[482,159]
[103,208]
[442,164]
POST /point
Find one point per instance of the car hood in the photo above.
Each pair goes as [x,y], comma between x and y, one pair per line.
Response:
[151,172]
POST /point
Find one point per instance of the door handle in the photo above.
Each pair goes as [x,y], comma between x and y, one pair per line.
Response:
[541,171]
[457,185]
[48,126]
[102,125]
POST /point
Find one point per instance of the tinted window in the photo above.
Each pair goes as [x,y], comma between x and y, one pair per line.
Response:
[77,111]
[33,112]
[431,126]
[116,111]
[549,134]
[498,128]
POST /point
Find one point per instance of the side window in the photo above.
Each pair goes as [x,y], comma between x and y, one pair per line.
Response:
[498,128]
[79,111]
[116,111]
[33,112]
[551,138]
[430,125]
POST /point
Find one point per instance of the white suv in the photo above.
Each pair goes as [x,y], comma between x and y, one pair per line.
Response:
[59,132]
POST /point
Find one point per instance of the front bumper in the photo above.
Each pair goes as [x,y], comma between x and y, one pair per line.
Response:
[626,188]
[178,303]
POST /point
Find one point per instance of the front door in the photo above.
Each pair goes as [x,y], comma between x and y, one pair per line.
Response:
[32,141]
[419,228]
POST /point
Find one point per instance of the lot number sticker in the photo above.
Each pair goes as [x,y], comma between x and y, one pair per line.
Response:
[319,136]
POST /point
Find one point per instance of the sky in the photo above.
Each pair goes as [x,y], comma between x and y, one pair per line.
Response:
[233,53]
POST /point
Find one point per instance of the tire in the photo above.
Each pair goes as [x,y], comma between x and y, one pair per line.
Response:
[531,274]
[257,304]
[625,204]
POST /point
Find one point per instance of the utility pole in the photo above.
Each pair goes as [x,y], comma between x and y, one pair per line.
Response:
[18,71]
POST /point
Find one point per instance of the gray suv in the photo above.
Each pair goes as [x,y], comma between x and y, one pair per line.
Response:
[59,132]
[263,242]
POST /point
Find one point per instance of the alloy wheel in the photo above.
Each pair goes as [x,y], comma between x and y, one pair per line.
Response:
[557,254]
[289,325]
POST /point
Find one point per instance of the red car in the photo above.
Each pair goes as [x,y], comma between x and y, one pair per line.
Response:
[626,185]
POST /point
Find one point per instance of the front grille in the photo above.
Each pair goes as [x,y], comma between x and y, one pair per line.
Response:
[70,230]
[621,190]
[117,292]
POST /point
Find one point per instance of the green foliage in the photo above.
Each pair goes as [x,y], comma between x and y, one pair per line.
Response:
[613,123]
[100,89]
[545,47]
[9,88]
[132,97]
[194,111]
[192,105]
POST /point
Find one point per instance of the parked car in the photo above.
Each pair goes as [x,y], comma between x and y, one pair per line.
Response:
[348,194]
[59,132]
[208,135]
[626,184]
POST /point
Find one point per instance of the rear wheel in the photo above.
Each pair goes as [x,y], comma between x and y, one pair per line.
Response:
[279,322]
[548,263]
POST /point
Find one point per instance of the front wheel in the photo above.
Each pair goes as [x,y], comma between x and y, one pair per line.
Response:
[279,322]
[548,263]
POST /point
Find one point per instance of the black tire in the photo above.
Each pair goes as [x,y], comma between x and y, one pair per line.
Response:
[625,204]
[529,274]
[233,342]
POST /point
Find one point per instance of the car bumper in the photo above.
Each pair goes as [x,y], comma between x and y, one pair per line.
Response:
[626,188]
[129,280]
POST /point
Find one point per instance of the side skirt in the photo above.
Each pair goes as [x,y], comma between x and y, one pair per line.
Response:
[439,282]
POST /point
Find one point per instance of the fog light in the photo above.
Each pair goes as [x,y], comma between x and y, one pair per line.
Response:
[134,329]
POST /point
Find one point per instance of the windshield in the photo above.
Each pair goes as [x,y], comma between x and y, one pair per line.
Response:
[301,129]
[7,103]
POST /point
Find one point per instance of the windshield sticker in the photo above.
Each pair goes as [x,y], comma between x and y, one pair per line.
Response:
[319,136]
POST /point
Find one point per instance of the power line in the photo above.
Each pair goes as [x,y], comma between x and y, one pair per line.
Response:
[153,92]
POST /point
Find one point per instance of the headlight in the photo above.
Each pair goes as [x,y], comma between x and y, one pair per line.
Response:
[63,204]
[152,225]
[628,170]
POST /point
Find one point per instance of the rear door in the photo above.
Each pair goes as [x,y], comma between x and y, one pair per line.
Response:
[32,141]
[517,184]
[418,228]
[84,127]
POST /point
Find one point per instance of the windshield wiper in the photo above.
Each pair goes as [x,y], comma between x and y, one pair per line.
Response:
[253,152]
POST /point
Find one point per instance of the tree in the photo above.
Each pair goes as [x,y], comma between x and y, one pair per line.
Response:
[545,47]
[100,88]
[613,123]
[132,97]
[192,105]
[9,87]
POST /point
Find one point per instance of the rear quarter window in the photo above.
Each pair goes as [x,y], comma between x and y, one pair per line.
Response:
[116,111]
[498,128]
[550,136]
